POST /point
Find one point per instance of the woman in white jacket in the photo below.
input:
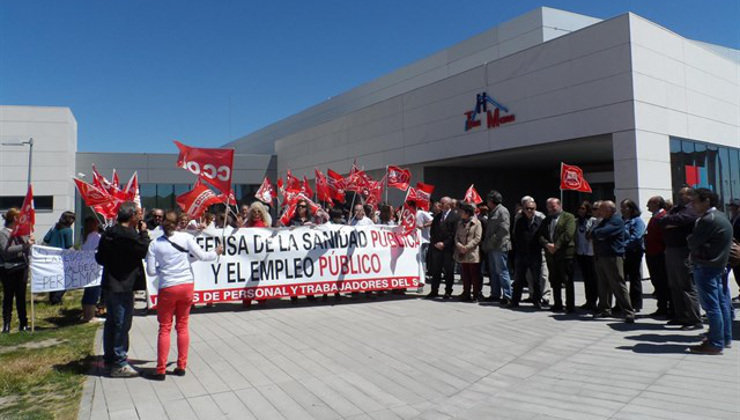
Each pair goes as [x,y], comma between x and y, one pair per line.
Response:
[168,259]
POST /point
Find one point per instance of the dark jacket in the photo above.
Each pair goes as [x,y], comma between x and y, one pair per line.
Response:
[710,241]
[609,238]
[444,231]
[120,252]
[526,245]
[677,225]
[564,236]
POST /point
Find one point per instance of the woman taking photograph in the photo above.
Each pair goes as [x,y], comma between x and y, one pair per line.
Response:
[167,259]
[13,266]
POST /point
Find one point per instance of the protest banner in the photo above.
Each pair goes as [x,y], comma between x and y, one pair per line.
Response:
[263,263]
[54,269]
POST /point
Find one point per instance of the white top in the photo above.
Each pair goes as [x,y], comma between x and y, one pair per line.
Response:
[171,265]
[422,218]
[91,242]
[365,221]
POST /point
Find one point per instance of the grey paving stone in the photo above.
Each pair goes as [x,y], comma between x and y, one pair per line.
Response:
[408,358]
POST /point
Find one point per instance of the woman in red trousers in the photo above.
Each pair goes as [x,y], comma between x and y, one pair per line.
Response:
[167,259]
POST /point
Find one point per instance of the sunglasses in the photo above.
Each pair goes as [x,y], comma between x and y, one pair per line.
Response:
[529,208]
[301,206]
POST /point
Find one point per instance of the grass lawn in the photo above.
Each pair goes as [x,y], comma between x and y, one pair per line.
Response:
[42,374]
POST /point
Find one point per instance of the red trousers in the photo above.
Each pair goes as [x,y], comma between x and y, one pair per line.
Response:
[174,301]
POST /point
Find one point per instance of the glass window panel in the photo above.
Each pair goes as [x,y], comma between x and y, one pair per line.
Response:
[165,196]
[148,196]
[735,173]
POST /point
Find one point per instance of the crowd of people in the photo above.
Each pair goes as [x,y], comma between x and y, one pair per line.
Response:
[687,248]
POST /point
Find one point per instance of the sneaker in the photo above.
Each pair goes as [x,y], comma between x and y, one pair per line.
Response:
[125,371]
[705,348]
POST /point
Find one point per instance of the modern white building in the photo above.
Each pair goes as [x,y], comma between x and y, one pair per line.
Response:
[640,108]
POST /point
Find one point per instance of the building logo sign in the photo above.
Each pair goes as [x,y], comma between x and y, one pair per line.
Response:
[493,116]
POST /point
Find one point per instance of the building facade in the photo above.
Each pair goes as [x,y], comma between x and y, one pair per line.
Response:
[641,109]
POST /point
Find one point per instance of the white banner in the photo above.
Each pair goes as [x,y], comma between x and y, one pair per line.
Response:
[260,263]
[55,269]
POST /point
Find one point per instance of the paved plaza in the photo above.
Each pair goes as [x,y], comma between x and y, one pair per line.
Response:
[404,357]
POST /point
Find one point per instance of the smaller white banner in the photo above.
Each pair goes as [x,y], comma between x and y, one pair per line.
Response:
[55,269]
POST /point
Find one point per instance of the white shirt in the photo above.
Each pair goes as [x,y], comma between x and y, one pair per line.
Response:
[171,265]
[422,218]
[365,221]
[91,242]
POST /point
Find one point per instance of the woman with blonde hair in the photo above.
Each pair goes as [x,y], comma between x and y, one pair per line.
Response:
[258,216]
[167,259]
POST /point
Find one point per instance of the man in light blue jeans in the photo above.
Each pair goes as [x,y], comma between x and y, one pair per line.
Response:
[497,244]
[709,245]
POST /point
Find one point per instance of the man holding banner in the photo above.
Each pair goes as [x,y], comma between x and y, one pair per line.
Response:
[121,251]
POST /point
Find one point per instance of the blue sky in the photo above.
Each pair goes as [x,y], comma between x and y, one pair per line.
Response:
[138,74]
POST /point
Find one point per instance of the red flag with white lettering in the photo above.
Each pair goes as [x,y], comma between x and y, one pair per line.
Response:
[337,185]
[266,193]
[472,196]
[356,180]
[306,187]
[27,216]
[323,192]
[292,183]
[571,178]
[214,166]
[92,195]
[398,178]
[197,200]
[421,195]
[407,219]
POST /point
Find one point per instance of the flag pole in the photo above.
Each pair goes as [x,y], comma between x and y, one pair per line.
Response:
[386,184]
[561,181]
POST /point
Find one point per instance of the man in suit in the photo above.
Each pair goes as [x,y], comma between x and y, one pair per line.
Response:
[527,254]
[442,240]
[557,237]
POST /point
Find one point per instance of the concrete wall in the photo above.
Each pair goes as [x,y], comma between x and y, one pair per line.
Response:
[54,133]
[530,29]
[574,86]
[681,88]
[162,168]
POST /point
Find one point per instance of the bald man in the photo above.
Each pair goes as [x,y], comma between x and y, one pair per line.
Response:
[558,238]
[441,250]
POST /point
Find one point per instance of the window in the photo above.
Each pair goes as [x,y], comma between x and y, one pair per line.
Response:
[42,203]
[704,165]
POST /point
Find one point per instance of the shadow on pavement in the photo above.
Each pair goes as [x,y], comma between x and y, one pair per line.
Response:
[656,348]
[658,338]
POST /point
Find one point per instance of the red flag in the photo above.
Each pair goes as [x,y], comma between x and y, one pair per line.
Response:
[280,189]
[115,183]
[27,216]
[421,195]
[356,180]
[213,166]
[100,181]
[407,219]
[231,198]
[323,192]
[292,183]
[472,196]
[93,195]
[131,190]
[306,187]
[266,193]
[196,201]
[571,178]
[336,185]
[398,178]
[374,192]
